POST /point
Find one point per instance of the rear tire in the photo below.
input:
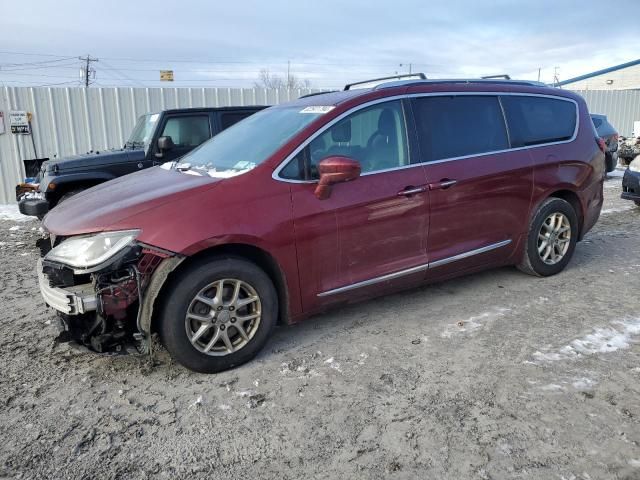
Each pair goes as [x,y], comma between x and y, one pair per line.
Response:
[218,333]
[551,239]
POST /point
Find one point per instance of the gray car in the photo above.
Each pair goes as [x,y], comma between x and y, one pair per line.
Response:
[607,132]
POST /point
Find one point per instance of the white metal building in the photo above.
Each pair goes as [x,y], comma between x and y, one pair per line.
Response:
[620,77]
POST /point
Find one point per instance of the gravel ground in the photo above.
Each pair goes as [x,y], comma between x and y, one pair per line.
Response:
[490,376]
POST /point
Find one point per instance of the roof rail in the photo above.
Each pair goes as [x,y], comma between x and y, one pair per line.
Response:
[420,76]
[406,83]
[503,76]
[317,93]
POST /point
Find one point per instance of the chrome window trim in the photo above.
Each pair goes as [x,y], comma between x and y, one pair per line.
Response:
[419,268]
[275,175]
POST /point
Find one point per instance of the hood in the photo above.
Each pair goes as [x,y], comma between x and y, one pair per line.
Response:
[102,158]
[110,203]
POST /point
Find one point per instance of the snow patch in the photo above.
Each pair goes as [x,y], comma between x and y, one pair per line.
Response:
[607,211]
[618,336]
[11,212]
[473,323]
[552,387]
[14,228]
[583,383]
[333,364]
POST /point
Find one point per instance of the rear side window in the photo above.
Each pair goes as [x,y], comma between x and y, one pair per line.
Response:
[596,122]
[457,126]
[537,120]
[230,118]
[187,130]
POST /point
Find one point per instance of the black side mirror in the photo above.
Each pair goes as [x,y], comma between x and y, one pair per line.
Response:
[164,145]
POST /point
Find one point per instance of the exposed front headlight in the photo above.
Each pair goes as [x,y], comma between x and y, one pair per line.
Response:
[635,165]
[91,250]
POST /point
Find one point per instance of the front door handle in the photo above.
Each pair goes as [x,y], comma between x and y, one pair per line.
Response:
[411,190]
[442,184]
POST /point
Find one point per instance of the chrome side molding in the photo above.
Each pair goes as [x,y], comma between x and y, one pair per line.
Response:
[470,253]
[419,268]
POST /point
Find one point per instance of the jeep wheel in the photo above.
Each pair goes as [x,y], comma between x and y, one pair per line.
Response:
[68,195]
[551,240]
[610,162]
[219,314]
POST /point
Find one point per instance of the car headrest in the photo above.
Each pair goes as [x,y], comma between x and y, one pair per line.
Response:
[341,132]
[386,122]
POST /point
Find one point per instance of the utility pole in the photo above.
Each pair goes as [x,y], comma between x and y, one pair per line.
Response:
[288,73]
[556,77]
[86,70]
[407,64]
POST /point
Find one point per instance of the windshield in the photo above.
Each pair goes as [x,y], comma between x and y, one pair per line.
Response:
[143,131]
[250,142]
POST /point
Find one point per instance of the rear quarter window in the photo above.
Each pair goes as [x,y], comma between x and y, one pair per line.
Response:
[538,120]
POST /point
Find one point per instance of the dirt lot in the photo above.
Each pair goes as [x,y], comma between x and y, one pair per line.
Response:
[491,376]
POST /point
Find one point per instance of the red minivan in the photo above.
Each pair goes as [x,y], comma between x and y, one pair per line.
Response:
[328,199]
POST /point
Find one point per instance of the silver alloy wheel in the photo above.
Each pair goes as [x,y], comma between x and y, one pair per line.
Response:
[223,317]
[554,238]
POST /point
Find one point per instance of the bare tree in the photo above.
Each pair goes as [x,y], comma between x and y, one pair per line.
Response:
[268,80]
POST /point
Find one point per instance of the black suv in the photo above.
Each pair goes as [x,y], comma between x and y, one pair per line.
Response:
[157,138]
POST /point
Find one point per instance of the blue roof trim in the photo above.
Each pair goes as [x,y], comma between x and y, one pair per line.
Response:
[600,72]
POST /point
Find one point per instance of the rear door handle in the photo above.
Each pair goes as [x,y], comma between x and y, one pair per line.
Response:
[411,190]
[442,184]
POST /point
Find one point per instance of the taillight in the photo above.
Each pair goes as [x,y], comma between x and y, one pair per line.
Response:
[601,144]
[614,138]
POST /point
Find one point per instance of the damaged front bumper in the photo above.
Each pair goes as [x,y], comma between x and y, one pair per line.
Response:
[110,309]
[74,301]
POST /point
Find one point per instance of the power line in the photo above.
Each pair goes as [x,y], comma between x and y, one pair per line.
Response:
[389,64]
[40,67]
[33,54]
[44,63]
[121,74]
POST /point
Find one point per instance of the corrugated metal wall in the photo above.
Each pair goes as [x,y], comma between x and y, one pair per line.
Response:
[69,121]
[622,107]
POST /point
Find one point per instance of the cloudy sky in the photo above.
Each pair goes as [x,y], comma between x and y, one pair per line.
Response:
[227,43]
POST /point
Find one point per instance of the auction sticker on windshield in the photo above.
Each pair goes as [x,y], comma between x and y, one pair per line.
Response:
[318,109]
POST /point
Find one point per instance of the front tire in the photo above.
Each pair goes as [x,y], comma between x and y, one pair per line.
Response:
[219,314]
[551,239]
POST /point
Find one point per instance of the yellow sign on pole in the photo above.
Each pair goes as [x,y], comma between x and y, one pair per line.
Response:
[166,75]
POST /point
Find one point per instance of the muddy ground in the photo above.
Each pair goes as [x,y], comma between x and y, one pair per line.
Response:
[491,376]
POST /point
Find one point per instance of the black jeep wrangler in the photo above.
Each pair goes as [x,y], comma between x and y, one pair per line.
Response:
[157,138]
